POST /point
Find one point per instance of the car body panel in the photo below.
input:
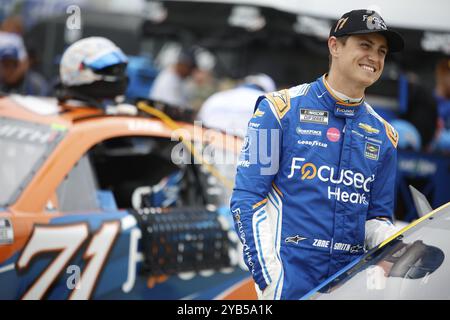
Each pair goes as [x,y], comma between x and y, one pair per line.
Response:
[101,247]
[409,265]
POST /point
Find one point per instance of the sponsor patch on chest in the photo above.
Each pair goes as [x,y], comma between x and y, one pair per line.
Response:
[314,116]
[372,151]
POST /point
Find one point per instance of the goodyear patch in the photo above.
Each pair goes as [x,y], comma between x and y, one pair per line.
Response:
[281,101]
[314,116]
[368,128]
[6,231]
[372,151]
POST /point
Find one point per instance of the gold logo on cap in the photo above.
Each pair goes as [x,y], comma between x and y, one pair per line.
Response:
[340,24]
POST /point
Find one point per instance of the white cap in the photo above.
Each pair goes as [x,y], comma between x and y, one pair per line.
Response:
[11,45]
[262,80]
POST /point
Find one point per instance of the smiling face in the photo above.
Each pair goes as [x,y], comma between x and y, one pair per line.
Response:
[359,61]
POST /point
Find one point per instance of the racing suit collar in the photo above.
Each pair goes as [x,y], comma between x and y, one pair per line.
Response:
[340,108]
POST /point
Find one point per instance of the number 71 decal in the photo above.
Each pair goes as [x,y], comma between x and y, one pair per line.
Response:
[67,240]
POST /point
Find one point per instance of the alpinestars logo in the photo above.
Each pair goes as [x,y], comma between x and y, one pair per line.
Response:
[296,239]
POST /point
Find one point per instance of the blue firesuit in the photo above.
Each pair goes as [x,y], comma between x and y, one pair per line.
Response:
[312,170]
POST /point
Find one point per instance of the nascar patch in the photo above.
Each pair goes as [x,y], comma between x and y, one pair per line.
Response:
[372,151]
[314,116]
[281,101]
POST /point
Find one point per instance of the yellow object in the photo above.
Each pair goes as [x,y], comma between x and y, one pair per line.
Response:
[260,203]
[281,101]
[174,126]
[368,128]
[413,224]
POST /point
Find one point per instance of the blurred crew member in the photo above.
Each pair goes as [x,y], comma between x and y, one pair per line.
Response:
[230,110]
[15,76]
[170,85]
[316,179]
[442,95]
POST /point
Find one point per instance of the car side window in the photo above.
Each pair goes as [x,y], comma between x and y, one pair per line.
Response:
[78,191]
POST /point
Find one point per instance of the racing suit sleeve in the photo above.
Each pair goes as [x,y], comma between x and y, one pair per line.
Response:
[257,166]
[379,219]
[378,230]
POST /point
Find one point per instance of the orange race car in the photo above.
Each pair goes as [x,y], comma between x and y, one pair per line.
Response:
[106,205]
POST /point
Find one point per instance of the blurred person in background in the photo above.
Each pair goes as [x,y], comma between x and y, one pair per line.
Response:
[417,124]
[442,95]
[230,110]
[171,85]
[15,75]
[13,24]
[201,85]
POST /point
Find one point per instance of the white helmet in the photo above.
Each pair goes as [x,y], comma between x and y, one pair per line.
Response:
[93,60]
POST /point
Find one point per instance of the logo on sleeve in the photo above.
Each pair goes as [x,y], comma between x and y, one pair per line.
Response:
[258,113]
[391,133]
[372,151]
[246,144]
[314,116]
[281,101]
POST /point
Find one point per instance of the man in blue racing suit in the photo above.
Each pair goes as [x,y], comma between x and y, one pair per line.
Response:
[316,175]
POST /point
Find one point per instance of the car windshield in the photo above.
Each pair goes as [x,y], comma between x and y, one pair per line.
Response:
[412,266]
[24,146]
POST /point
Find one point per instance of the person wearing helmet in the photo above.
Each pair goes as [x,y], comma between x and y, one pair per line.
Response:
[315,182]
[230,110]
[15,76]
[93,70]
